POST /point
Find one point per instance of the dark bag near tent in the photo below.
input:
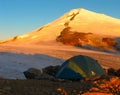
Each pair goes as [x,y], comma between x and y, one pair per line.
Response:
[79,67]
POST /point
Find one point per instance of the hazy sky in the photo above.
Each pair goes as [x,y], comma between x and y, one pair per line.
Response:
[22,16]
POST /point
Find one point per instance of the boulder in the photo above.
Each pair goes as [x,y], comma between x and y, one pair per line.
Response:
[112,72]
[118,72]
[32,73]
[50,70]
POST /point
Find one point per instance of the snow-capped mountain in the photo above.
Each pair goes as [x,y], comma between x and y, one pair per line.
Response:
[79,20]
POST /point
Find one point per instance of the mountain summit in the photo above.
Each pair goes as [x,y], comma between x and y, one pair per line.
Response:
[78,20]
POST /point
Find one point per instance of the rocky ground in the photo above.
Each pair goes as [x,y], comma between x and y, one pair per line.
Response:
[103,86]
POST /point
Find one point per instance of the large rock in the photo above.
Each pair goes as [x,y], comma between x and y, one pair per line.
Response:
[112,72]
[118,72]
[50,70]
[32,73]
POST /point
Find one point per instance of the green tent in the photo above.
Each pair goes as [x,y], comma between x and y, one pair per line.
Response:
[79,67]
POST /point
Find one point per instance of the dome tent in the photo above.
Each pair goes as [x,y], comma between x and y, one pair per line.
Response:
[79,67]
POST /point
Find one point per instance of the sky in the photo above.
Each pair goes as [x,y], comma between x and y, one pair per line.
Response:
[18,17]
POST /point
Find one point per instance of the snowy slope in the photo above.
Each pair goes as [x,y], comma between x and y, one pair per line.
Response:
[12,65]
